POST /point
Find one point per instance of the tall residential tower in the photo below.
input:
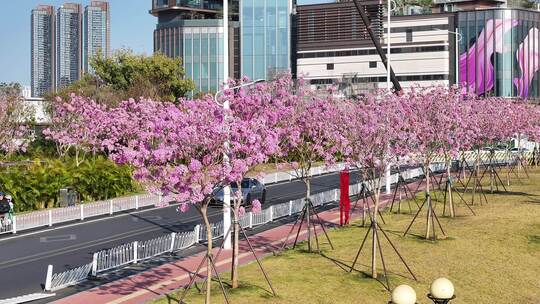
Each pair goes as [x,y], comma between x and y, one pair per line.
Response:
[96,33]
[43,45]
[64,41]
[68,44]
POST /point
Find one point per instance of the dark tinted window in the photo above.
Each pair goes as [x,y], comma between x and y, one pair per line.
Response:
[408,37]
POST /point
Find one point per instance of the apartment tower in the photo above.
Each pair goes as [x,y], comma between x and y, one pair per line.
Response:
[63,43]
[43,47]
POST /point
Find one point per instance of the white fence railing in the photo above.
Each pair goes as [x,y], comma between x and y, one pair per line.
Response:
[137,251]
[81,212]
[64,279]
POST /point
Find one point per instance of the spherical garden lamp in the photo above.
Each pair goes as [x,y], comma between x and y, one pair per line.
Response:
[441,291]
[403,294]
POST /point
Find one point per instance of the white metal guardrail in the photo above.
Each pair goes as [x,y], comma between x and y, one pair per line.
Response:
[81,212]
[64,279]
[132,253]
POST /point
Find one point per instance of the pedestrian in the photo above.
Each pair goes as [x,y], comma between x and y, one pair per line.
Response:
[4,208]
[11,208]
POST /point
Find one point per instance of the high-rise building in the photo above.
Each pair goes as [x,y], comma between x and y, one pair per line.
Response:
[259,38]
[63,43]
[43,50]
[96,33]
[68,44]
[193,31]
[265,31]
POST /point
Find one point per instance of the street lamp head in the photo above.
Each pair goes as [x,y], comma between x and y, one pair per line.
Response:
[403,294]
[442,288]
[237,87]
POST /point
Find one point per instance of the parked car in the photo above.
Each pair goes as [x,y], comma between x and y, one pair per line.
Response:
[251,189]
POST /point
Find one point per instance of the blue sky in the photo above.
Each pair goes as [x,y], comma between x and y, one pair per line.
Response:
[131,26]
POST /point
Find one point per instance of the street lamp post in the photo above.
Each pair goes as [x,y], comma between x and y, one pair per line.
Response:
[388,82]
[388,85]
[227,189]
[458,37]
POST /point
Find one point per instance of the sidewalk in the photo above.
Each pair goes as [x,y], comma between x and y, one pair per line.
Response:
[164,279]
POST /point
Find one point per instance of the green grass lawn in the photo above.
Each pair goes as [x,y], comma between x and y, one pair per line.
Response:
[493,257]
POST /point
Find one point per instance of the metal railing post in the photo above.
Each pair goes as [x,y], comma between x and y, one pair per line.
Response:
[335,195]
[82,212]
[173,237]
[197,231]
[50,218]
[136,202]
[290,207]
[14,230]
[271,213]
[111,207]
[250,220]
[94,264]
[48,279]
[135,252]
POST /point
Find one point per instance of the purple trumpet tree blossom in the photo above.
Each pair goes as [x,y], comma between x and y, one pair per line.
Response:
[78,125]
[176,150]
[14,131]
[253,125]
[377,130]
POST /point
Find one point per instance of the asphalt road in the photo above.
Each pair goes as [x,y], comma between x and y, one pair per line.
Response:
[24,259]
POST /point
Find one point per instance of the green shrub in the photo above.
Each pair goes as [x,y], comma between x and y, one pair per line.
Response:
[36,185]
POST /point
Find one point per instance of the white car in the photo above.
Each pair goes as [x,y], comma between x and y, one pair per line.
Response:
[251,189]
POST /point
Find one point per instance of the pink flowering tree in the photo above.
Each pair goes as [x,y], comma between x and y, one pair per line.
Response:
[312,133]
[444,124]
[377,133]
[176,150]
[77,125]
[15,132]
[254,128]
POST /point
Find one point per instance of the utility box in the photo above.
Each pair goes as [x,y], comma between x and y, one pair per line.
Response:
[68,197]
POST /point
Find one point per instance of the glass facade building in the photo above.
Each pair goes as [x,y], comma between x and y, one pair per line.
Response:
[42,49]
[96,34]
[68,38]
[202,53]
[499,52]
[265,31]
[193,31]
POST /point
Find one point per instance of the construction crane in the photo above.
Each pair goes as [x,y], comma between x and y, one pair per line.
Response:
[365,19]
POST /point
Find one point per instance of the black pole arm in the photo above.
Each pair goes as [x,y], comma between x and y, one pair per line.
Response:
[395,82]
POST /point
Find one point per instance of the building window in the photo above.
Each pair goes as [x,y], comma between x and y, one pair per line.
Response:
[330,66]
[408,36]
[372,64]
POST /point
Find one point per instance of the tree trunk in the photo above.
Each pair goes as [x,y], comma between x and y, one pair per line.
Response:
[450,198]
[476,169]
[520,159]
[203,210]
[374,224]
[307,181]
[236,238]
[429,215]
[507,166]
